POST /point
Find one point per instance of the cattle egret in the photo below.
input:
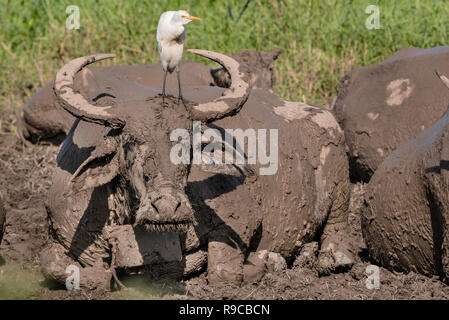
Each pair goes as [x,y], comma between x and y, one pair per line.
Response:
[171,35]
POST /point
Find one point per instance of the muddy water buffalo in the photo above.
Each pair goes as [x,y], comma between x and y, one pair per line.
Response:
[407,204]
[384,105]
[114,169]
[114,179]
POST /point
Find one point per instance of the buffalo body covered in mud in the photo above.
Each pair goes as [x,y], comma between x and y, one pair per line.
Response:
[404,221]
[118,201]
[384,105]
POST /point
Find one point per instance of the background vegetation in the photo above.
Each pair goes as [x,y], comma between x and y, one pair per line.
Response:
[321,40]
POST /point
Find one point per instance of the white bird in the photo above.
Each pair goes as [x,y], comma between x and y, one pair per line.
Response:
[171,35]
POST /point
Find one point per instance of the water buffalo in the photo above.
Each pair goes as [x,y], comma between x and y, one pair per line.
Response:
[405,218]
[117,198]
[384,105]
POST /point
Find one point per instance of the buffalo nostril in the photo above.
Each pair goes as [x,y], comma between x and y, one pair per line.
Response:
[154,206]
[178,205]
[165,205]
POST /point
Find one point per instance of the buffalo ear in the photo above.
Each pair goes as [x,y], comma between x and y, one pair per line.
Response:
[100,168]
[271,56]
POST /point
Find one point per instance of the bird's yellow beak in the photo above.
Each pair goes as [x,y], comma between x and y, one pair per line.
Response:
[191,18]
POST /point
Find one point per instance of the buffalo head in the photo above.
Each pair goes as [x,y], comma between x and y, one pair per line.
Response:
[137,145]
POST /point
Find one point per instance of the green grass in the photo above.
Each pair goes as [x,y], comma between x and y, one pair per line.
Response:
[321,40]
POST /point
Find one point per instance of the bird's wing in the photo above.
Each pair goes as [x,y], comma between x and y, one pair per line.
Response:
[159,47]
[164,20]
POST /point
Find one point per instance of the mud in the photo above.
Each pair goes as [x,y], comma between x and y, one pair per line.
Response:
[25,180]
[25,173]
[2,219]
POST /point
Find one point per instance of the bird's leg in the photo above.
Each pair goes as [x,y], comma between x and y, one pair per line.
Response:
[179,87]
[163,87]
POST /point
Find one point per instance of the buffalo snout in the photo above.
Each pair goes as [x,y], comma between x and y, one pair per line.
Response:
[165,210]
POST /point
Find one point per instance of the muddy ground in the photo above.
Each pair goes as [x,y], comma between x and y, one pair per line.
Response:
[25,177]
